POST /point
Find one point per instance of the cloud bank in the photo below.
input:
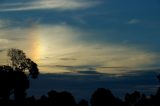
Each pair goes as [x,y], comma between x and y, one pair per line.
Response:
[60,48]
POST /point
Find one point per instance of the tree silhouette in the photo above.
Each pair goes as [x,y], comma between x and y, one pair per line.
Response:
[6,84]
[158,76]
[83,102]
[20,62]
[13,79]
[104,97]
[64,99]
[133,99]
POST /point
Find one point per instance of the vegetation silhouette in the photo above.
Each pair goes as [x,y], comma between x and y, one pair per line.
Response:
[15,81]
[13,78]
[104,97]
[19,62]
[83,102]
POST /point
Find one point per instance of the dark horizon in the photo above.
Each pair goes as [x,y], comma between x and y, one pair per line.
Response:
[18,88]
[84,84]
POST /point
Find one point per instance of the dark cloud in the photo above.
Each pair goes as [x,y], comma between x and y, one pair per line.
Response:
[62,66]
[83,69]
[89,72]
[114,67]
[80,69]
[65,59]
[59,66]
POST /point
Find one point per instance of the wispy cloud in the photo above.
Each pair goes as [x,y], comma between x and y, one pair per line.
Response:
[134,21]
[47,4]
[4,41]
[67,59]
[4,23]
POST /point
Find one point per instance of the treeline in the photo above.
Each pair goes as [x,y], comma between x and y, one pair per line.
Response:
[14,83]
[101,97]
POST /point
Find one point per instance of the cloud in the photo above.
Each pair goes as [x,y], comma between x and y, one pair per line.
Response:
[4,23]
[66,59]
[4,41]
[64,46]
[134,21]
[90,72]
[77,70]
[2,50]
[47,4]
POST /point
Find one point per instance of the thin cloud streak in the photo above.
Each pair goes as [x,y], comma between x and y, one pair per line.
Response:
[48,4]
[134,21]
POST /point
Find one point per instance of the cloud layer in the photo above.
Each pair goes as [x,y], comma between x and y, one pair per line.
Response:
[60,48]
[47,4]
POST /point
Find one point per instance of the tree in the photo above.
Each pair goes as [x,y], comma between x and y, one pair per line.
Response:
[13,79]
[158,77]
[12,82]
[19,62]
[133,99]
[83,102]
[104,97]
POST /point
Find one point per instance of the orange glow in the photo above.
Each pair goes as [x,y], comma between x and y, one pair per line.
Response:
[35,43]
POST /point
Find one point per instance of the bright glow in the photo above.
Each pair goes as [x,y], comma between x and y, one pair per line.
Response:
[35,40]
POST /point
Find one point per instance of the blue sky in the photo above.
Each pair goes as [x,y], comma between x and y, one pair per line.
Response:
[106,36]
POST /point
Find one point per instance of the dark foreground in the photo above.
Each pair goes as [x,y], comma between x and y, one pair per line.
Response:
[101,97]
[14,83]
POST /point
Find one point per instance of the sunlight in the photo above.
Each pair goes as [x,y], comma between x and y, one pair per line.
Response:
[36,45]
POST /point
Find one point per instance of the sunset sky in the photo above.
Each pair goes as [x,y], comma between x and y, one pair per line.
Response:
[77,36]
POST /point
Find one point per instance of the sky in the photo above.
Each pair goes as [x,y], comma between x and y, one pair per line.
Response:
[83,86]
[114,37]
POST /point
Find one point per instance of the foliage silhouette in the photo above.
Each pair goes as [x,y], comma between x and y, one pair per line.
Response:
[19,62]
[132,99]
[83,102]
[12,82]
[13,79]
[64,99]
[158,76]
[104,97]
[101,97]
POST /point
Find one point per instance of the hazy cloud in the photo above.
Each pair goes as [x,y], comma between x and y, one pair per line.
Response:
[4,23]
[4,41]
[134,21]
[64,46]
[47,4]
[66,59]
[2,50]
